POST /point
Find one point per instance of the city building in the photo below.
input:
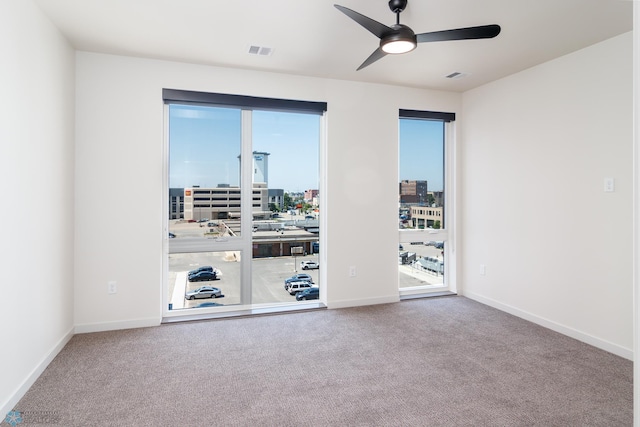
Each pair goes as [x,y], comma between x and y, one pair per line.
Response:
[279,242]
[261,167]
[223,202]
[426,216]
[412,191]
[176,203]
[276,197]
[309,195]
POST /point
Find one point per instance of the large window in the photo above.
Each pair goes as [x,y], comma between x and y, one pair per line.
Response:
[245,172]
[424,208]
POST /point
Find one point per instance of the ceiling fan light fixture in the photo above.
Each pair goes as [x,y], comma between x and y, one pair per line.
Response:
[401,40]
[398,46]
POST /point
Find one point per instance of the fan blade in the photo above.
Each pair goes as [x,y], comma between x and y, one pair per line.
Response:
[377,54]
[481,32]
[376,28]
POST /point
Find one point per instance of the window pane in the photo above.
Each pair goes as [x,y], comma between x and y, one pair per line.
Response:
[280,162]
[208,269]
[285,232]
[421,197]
[421,264]
[204,166]
[421,187]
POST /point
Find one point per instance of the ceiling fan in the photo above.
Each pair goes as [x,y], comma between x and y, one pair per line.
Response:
[401,39]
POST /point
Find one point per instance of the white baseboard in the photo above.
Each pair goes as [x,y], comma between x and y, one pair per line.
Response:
[13,400]
[112,326]
[565,330]
[363,301]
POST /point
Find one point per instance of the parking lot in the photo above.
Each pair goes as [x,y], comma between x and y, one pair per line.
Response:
[268,276]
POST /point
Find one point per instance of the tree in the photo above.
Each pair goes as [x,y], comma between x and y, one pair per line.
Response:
[287,201]
[436,224]
[273,207]
[430,199]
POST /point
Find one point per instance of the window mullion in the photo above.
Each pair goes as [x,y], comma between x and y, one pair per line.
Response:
[246,185]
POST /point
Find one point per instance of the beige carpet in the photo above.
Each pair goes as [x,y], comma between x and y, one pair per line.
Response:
[428,362]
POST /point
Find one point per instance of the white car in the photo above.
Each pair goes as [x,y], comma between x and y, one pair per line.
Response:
[298,286]
[309,265]
[204,292]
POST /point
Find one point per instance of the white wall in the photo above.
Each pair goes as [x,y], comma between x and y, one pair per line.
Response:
[119,165]
[36,171]
[536,147]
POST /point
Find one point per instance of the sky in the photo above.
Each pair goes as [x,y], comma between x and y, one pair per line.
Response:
[204,145]
[205,142]
[421,152]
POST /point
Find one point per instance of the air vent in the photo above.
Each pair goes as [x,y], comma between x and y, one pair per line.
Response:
[260,50]
[456,75]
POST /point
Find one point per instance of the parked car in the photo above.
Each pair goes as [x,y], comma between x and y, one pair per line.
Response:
[311,293]
[199,269]
[205,268]
[296,277]
[203,292]
[309,265]
[172,236]
[298,286]
[203,276]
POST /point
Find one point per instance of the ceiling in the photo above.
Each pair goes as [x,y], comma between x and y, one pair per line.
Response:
[313,38]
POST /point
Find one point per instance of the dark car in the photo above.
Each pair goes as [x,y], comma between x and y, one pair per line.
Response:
[296,277]
[203,276]
[204,292]
[311,293]
[199,269]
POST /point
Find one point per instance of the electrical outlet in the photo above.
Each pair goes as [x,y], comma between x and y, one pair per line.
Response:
[352,271]
[112,287]
[609,185]
[483,269]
